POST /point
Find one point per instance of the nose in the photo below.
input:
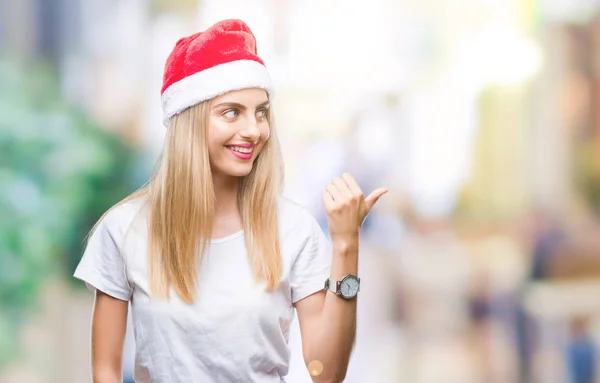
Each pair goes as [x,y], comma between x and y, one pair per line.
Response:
[250,131]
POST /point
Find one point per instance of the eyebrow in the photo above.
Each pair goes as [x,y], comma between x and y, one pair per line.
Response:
[239,106]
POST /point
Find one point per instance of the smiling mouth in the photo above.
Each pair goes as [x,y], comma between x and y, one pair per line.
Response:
[243,153]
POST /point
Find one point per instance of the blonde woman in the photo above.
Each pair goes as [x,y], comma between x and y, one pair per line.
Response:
[212,259]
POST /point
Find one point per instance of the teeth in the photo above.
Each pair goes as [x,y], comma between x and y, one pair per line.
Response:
[241,150]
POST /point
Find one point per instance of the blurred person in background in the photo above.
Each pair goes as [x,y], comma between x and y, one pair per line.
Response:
[211,258]
[581,352]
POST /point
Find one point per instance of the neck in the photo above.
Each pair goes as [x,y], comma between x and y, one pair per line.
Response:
[226,193]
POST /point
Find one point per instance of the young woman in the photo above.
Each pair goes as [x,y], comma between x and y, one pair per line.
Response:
[211,258]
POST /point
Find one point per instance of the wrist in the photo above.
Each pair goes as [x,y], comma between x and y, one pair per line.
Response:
[345,238]
[345,245]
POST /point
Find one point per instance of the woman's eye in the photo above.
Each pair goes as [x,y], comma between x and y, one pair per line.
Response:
[262,113]
[230,114]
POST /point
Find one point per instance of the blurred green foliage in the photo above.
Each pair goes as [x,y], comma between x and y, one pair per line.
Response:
[159,7]
[58,173]
[587,173]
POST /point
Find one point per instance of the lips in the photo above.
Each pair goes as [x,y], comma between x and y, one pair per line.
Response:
[241,151]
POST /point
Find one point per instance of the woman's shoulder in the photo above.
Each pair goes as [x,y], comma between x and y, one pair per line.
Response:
[119,218]
[295,216]
[290,209]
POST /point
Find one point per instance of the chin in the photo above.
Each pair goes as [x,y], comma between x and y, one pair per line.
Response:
[241,173]
[238,171]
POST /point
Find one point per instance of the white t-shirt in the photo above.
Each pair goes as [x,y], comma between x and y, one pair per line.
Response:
[235,331]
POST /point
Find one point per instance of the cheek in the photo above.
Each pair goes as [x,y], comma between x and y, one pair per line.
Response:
[265,132]
[217,130]
[218,134]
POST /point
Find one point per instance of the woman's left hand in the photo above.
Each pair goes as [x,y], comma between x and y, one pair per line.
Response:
[347,207]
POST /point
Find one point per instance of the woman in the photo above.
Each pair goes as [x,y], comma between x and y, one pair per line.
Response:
[211,258]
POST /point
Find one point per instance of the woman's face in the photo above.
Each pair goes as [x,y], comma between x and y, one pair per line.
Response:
[237,131]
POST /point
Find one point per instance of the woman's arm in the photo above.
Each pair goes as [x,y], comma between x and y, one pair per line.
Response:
[109,324]
[327,321]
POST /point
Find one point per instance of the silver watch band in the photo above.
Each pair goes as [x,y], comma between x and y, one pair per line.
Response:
[333,286]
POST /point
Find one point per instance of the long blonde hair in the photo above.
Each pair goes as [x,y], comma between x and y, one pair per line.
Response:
[181,199]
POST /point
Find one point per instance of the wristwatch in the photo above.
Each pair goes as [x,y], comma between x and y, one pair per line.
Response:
[347,288]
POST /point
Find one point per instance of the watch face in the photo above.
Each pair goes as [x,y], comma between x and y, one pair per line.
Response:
[349,287]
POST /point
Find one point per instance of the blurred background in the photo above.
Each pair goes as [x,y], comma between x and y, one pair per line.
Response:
[482,264]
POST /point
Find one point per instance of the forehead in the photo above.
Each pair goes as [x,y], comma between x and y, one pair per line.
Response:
[251,96]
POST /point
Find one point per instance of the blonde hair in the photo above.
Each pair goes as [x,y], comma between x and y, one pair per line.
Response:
[181,199]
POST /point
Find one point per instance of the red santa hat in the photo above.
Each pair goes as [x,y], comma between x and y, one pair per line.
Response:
[211,63]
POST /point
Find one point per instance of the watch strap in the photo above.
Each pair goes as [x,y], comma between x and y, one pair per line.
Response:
[333,286]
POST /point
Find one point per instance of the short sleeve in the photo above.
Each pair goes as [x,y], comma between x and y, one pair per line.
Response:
[102,266]
[313,263]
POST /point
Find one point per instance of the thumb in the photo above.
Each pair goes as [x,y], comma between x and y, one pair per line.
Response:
[374,196]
